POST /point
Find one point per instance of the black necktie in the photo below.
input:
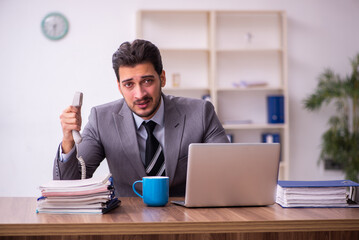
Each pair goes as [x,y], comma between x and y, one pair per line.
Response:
[154,160]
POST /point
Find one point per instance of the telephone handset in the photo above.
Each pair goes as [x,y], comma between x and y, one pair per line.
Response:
[77,102]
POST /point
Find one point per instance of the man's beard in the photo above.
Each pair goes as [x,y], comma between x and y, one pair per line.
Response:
[152,111]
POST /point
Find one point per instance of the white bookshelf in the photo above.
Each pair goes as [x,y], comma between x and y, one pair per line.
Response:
[212,52]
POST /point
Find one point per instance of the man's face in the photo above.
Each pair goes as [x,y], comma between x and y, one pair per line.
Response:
[140,86]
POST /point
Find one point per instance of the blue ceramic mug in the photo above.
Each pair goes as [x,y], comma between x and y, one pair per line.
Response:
[155,190]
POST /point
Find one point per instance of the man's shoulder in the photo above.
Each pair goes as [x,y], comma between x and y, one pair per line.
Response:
[186,103]
[110,107]
[184,100]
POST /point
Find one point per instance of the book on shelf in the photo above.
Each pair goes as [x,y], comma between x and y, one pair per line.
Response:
[93,195]
[275,109]
[337,193]
[270,138]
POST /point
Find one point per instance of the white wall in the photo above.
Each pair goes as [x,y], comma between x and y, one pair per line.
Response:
[38,77]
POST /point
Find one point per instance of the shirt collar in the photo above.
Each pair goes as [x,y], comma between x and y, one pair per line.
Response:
[157,118]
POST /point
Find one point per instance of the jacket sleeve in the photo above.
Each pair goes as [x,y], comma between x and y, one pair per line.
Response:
[90,149]
[68,169]
[213,129]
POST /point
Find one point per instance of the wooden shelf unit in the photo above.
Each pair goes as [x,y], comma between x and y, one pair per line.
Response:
[214,52]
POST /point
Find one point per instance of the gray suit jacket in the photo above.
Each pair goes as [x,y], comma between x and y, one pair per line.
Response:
[111,133]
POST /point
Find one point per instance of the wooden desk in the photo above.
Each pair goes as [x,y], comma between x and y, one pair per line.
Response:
[133,220]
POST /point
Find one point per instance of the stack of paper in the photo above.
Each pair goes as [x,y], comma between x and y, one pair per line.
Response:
[316,193]
[93,195]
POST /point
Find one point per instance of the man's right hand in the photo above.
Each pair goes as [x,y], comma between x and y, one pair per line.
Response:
[70,120]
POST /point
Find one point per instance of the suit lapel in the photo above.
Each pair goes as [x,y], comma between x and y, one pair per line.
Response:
[126,129]
[174,125]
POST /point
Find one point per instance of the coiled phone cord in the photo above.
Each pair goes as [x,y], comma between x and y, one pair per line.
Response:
[81,161]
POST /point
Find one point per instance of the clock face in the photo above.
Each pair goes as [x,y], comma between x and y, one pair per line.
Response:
[55,26]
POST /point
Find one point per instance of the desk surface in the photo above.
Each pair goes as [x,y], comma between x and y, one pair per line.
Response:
[18,218]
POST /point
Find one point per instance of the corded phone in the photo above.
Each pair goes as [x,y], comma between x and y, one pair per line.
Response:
[77,102]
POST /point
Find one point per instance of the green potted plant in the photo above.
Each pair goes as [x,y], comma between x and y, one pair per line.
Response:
[340,143]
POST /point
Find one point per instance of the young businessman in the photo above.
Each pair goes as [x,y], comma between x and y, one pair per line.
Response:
[116,131]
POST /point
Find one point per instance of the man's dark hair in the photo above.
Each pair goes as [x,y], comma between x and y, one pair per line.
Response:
[137,52]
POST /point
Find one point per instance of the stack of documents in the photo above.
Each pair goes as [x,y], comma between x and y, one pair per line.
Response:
[341,193]
[93,195]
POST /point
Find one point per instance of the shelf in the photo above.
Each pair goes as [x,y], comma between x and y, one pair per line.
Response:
[253,126]
[184,49]
[248,29]
[248,50]
[249,89]
[250,12]
[182,29]
[249,66]
[209,52]
[186,66]
[172,89]
[186,91]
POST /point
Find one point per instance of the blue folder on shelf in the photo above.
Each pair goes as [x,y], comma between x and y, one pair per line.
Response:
[275,107]
[337,193]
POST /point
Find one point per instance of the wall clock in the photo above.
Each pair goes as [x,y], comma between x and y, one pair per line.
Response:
[55,26]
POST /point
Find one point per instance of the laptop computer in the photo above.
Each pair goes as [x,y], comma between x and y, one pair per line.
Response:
[231,174]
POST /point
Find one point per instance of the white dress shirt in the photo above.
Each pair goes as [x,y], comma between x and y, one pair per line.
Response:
[158,132]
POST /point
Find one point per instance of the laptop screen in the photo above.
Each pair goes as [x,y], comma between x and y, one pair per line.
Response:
[232,174]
